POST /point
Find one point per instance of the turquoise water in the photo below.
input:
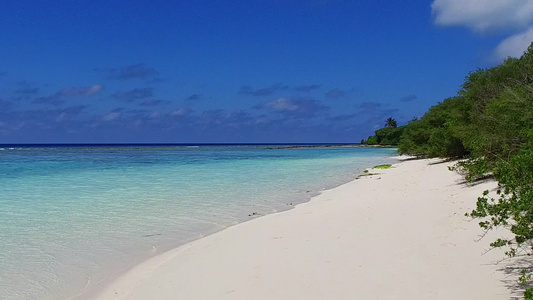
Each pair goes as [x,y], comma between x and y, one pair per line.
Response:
[73,218]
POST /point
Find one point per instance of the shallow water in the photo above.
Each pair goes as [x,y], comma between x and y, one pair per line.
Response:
[72,217]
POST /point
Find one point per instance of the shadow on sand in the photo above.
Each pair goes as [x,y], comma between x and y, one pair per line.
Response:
[512,269]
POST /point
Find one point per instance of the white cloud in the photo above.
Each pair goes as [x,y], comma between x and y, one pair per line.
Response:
[515,45]
[137,123]
[180,112]
[282,104]
[483,15]
[111,116]
[295,107]
[60,117]
[81,91]
[59,97]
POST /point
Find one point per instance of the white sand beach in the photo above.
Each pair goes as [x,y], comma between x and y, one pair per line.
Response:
[400,234]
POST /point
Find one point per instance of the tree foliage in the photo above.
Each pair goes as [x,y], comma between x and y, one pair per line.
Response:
[489,124]
[387,136]
[391,123]
[433,134]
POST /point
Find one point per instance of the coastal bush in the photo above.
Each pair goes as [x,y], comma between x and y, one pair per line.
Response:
[435,134]
[387,136]
[372,140]
[490,125]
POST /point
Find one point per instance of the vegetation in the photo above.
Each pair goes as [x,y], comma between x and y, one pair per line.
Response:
[387,136]
[489,124]
[391,123]
[387,166]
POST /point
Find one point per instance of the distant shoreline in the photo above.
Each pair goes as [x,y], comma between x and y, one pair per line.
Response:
[332,146]
[174,146]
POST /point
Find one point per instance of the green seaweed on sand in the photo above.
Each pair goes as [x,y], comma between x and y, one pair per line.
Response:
[386,166]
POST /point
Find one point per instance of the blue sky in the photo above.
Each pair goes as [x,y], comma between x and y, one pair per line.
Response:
[240,71]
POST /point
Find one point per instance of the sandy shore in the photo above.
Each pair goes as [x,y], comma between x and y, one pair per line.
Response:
[400,234]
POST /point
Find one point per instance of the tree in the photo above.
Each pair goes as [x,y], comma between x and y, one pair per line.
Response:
[386,136]
[372,140]
[435,134]
[391,123]
[389,136]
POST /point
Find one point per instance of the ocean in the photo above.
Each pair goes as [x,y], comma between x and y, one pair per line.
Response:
[73,217]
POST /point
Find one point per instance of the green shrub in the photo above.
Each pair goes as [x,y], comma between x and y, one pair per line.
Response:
[489,124]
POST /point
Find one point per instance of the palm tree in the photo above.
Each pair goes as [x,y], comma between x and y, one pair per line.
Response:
[391,123]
